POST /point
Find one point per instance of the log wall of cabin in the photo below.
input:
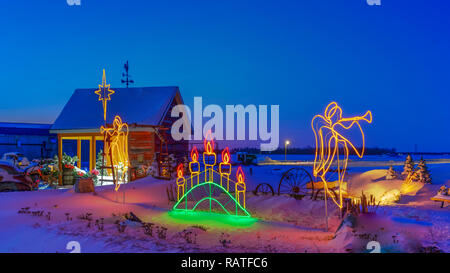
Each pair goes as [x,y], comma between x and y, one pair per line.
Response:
[141,148]
[178,148]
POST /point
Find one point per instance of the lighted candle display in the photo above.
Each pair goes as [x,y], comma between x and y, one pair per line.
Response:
[225,167]
[240,186]
[209,157]
[180,181]
[209,192]
[194,166]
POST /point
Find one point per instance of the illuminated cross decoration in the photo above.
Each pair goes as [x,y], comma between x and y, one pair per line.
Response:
[104,94]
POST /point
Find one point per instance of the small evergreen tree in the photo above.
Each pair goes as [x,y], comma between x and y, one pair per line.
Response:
[422,173]
[408,169]
[391,174]
[99,162]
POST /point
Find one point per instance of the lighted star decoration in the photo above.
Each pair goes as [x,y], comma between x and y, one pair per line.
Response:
[104,93]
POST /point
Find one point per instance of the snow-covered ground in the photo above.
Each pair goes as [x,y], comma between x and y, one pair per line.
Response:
[283,224]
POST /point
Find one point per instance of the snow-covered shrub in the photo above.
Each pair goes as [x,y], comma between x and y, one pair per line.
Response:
[408,168]
[444,191]
[391,174]
[422,173]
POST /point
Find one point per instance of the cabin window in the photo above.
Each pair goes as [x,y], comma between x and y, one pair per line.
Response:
[69,147]
[84,157]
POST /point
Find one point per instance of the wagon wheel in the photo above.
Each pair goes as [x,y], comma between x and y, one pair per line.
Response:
[264,189]
[296,182]
[320,191]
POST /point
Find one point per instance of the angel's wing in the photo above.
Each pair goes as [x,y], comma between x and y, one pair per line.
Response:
[325,144]
[350,128]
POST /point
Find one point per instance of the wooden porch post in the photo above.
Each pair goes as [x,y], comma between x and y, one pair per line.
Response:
[93,155]
[79,152]
[60,159]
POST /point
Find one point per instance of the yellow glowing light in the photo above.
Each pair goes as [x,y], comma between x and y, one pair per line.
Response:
[181,181]
[328,139]
[104,93]
[240,186]
[117,148]
[225,167]
[194,166]
[287,142]
[209,157]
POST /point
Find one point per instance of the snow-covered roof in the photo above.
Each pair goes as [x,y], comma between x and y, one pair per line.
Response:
[25,125]
[140,105]
[18,128]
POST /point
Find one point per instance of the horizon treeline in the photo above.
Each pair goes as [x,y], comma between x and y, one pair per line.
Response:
[311,150]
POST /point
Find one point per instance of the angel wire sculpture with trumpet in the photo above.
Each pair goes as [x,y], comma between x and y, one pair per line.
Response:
[330,131]
[118,148]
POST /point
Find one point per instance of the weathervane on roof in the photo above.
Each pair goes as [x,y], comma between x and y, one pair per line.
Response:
[104,94]
[127,76]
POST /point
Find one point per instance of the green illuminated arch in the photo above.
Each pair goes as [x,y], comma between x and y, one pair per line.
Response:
[211,199]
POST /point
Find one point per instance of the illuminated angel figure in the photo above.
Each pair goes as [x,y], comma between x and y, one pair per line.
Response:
[330,131]
[118,148]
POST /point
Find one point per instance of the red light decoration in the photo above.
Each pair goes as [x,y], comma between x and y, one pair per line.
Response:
[226,156]
[180,171]
[194,154]
[209,145]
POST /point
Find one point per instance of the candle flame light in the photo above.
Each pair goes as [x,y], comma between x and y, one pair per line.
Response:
[226,156]
[209,145]
[240,175]
[180,171]
[194,154]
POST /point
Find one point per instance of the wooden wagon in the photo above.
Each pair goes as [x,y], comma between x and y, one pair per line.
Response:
[298,183]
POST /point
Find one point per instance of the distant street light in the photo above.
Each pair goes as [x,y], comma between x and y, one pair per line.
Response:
[286,143]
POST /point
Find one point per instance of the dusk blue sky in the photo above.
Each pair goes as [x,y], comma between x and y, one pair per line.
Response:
[392,59]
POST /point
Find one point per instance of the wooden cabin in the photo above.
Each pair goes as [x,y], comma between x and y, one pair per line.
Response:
[146,110]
